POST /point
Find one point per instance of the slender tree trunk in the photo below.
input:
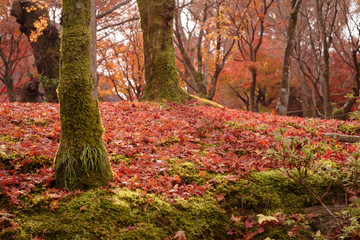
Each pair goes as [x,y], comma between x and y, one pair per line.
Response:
[253,106]
[161,75]
[346,108]
[46,47]
[307,104]
[324,78]
[11,91]
[357,71]
[283,99]
[326,40]
[81,161]
[198,78]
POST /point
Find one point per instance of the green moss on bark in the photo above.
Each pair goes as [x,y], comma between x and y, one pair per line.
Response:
[81,129]
[161,76]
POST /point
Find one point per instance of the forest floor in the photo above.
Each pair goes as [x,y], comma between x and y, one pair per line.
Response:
[180,172]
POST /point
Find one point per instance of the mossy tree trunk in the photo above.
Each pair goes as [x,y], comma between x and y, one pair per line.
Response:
[81,161]
[46,48]
[162,82]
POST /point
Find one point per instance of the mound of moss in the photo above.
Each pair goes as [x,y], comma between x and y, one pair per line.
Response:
[134,214]
[270,192]
[349,129]
[125,214]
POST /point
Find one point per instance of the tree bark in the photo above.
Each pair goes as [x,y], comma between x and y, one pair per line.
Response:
[81,161]
[283,99]
[253,105]
[161,75]
[46,48]
[308,106]
[94,75]
[326,40]
[31,91]
[11,91]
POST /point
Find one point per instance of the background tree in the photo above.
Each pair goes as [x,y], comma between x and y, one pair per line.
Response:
[13,52]
[81,160]
[347,46]
[160,68]
[204,44]
[252,15]
[122,64]
[43,35]
[283,98]
[326,17]
[236,78]
[319,20]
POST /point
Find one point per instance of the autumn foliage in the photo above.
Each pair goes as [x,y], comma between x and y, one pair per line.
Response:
[148,136]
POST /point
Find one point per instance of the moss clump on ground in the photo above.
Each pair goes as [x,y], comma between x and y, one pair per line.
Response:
[268,192]
[187,171]
[205,101]
[134,214]
[120,158]
[126,214]
[349,129]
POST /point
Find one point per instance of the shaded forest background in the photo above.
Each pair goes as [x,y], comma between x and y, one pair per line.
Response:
[227,51]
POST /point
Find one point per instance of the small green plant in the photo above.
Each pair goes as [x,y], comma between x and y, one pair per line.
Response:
[355,115]
[297,157]
[92,159]
[312,126]
[351,174]
[292,124]
[351,218]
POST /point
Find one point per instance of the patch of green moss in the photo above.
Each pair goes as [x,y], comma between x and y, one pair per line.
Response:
[31,164]
[207,102]
[39,122]
[23,163]
[6,159]
[237,125]
[187,171]
[7,138]
[292,124]
[349,129]
[170,141]
[264,109]
[281,233]
[120,158]
[268,192]
[339,113]
[242,152]
[125,214]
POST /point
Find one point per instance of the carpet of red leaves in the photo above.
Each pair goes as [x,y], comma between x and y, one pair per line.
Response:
[149,135]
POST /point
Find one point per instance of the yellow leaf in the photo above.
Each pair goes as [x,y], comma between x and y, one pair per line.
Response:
[263,218]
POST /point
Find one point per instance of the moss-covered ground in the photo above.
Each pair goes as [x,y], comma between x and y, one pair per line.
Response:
[180,172]
[122,213]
